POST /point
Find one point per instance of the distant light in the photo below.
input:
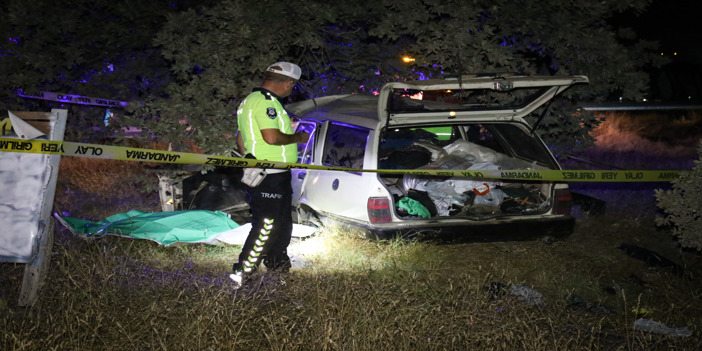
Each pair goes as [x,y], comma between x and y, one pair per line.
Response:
[662,54]
[675,54]
[407,59]
[452,113]
[417,96]
[644,99]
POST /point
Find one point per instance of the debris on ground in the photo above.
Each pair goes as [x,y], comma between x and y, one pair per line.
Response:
[526,294]
[521,292]
[647,325]
[576,302]
[496,290]
[651,258]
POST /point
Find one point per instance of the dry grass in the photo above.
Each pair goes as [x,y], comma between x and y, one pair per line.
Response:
[121,294]
[637,138]
[351,294]
[95,188]
[98,176]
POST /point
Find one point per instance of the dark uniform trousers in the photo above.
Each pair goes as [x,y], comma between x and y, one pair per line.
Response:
[271,225]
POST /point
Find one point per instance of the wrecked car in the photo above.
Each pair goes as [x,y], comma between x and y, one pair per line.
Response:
[470,123]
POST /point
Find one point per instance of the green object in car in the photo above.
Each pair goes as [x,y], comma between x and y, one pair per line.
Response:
[413,207]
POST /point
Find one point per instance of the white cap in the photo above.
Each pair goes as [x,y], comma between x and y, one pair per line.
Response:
[286,68]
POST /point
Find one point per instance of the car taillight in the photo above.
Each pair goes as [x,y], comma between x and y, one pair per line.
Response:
[379,210]
[563,203]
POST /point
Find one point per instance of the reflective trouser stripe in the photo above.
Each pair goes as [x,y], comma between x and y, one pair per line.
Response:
[250,262]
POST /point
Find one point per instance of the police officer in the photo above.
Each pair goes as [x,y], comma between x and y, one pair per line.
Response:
[265,132]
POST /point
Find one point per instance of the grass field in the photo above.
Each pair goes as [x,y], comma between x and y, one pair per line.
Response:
[578,293]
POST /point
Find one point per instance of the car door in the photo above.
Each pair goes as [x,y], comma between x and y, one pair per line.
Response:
[305,155]
[339,193]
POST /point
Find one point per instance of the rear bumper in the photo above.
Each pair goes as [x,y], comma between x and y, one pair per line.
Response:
[473,231]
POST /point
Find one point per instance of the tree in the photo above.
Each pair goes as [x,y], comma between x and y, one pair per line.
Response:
[217,54]
[185,68]
[96,48]
[682,206]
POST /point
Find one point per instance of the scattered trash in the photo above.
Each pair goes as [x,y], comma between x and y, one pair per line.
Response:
[647,325]
[642,311]
[576,302]
[650,257]
[496,290]
[526,294]
[589,204]
[521,292]
[614,289]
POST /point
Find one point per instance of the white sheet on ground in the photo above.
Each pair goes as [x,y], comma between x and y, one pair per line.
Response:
[237,236]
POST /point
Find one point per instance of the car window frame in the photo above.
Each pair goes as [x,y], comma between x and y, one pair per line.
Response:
[309,145]
[326,143]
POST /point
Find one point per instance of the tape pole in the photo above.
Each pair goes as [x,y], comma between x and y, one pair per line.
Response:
[67,148]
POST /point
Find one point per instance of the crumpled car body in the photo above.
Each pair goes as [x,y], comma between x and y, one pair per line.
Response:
[454,124]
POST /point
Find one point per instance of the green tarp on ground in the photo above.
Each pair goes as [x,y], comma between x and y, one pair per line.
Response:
[163,227]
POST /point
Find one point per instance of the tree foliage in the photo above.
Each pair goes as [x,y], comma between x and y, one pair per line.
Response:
[185,69]
[682,206]
[97,48]
[217,54]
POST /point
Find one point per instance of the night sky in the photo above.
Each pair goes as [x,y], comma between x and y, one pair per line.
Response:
[676,24]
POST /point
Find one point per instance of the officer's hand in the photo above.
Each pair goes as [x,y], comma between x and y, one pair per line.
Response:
[301,137]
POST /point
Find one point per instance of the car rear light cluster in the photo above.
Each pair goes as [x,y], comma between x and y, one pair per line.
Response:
[563,203]
[379,210]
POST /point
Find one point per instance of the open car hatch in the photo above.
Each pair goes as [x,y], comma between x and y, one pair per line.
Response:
[469,98]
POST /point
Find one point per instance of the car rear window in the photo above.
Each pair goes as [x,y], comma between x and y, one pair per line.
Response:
[522,144]
[414,147]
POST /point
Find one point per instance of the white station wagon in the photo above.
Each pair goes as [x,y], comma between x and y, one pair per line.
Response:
[469,124]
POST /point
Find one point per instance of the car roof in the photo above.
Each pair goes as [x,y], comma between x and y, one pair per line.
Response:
[361,110]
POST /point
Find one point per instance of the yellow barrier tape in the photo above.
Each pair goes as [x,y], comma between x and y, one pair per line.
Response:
[67,148]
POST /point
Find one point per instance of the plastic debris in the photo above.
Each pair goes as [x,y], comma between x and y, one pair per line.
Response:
[577,302]
[526,294]
[651,258]
[642,311]
[497,290]
[647,325]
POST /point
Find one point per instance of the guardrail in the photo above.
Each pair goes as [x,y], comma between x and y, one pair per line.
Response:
[642,106]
